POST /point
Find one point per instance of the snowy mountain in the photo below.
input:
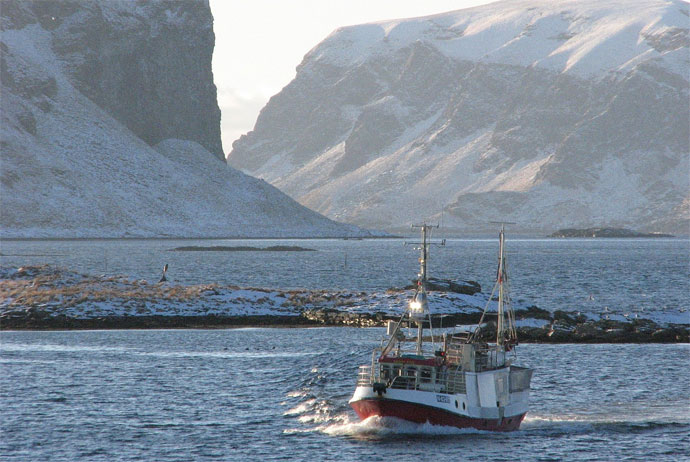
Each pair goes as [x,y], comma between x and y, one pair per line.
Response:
[110,127]
[551,114]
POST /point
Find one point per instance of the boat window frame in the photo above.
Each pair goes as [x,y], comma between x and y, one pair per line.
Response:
[423,377]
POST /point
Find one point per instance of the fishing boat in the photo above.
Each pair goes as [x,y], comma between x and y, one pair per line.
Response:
[463,378]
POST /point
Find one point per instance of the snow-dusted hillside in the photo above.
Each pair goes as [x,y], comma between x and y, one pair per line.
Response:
[548,113]
[110,128]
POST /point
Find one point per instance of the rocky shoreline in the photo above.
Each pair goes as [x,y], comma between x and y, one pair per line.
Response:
[558,330]
[605,233]
[589,332]
[46,298]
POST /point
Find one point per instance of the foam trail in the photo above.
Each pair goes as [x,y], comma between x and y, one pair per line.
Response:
[624,415]
[298,393]
[301,408]
[573,423]
[389,426]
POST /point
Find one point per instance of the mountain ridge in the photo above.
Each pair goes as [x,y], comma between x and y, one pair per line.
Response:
[552,114]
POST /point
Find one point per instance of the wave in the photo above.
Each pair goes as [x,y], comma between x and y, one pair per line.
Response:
[301,408]
[33,347]
[582,424]
[322,416]
[383,427]
[318,415]
[298,393]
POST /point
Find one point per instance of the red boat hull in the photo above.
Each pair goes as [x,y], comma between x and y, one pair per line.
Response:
[420,413]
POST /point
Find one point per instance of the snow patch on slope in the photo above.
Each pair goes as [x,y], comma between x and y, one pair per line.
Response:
[70,169]
[585,37]
[550,114]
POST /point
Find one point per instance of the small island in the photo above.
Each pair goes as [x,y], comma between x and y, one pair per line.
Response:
[605,232]
[221,248]
[48,298]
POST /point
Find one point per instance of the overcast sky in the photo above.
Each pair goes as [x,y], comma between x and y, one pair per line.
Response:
[259,43]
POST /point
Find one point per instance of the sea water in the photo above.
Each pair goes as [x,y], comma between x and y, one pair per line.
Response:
[281,394]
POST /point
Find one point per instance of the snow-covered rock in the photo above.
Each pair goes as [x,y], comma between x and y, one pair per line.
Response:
[110,128]
[35,293]
[551,114]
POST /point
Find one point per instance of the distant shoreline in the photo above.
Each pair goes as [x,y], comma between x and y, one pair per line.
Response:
[607,233]
[223,248]
[156,323]
[673,334]
[168,238]
[468,236]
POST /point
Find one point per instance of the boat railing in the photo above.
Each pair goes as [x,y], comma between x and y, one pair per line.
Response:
[454,354]
[486,356]
[456,346]
[455,383]
[375,372]
[404,382]
[364,376]
[481,362]
[452,382]
[460,338]
[444,381]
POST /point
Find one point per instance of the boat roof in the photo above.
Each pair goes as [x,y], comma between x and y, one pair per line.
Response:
[409,359]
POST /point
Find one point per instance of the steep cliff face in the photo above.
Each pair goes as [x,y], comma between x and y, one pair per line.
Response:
[148,64]
[110,128]
[550,114]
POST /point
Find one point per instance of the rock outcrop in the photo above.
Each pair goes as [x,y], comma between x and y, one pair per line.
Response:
[110,128]
[147,64]
[447,285]
[604,232]
[549,114]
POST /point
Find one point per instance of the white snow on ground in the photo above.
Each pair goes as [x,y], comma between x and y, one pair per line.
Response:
[550,114]
[81,296]
[58,292]
[583,37]
[81,173]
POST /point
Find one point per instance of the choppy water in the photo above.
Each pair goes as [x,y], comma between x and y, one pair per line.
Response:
[281,394]
[621,275]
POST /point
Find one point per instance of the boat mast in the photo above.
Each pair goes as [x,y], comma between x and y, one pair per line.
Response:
[500,334]
[420,297]
[505,328]
[419,305]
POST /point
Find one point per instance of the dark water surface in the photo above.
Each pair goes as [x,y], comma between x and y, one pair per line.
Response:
[281,394]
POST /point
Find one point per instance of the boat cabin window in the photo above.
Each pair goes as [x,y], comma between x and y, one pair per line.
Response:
[425,374]
[397,370]
[385,372]
[411,371]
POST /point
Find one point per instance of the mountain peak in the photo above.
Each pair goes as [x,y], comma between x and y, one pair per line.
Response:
[555,114]
[585,38]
